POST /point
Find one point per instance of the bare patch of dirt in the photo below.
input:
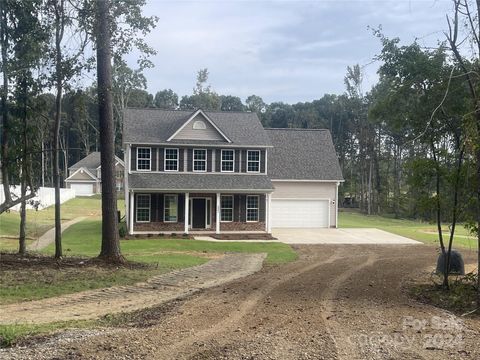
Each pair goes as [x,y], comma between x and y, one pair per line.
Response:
[335,302]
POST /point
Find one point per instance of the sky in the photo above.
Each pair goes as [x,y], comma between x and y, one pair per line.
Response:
[290,51]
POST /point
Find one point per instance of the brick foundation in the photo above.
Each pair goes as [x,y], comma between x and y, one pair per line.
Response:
[159,227]
[242,226]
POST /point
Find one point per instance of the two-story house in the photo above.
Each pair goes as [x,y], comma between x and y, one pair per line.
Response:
[223,172]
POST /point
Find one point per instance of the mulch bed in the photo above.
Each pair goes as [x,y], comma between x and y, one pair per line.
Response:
[13,261]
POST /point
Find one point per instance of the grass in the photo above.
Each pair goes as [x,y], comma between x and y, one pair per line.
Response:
[38,222]
[416,230]
[83,239]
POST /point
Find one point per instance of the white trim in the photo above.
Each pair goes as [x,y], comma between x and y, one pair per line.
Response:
[259,161]
[203,191]
[199,111]
[214,157]
[204,161]
[305,199]
[149,160]
[131,214]
[176,200]
[258,209]
[129,152]
[217,218]
[73,181]
[221,161]
[208,210]
[240,162]
[165,160]
[158,158]
[266,161]
[143,208]
[300,180]
[94,178]
[233,208]
[193,144]
[269,214]
[187,211]
[202,172]
[336,206]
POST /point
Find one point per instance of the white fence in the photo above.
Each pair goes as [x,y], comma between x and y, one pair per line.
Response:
[45,196]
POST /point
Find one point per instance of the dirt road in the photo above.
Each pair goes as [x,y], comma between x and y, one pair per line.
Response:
[335,302]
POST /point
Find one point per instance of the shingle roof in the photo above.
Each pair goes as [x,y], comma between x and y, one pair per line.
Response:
[91,161]
[155,126]
[199,182]
[302,155]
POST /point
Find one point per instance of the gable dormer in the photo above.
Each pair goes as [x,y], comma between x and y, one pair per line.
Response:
[199,127]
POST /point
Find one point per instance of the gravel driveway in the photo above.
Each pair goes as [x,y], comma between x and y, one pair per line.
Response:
[335,302]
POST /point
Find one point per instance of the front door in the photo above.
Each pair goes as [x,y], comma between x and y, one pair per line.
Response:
[198,214]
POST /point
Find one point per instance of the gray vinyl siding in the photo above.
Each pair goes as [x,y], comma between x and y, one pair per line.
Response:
[243,162]
[210,133]
[133,163]
[189,159]
[209,160]
[237,161]
[181,161]
[262,161]
[261,208]
[153,159]
[218,160]
[161,159]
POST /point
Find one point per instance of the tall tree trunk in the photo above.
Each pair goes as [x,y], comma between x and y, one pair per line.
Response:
[59,28]
[4,94]
[110,250]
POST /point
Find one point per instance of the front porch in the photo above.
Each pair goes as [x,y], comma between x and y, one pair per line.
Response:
[197,213]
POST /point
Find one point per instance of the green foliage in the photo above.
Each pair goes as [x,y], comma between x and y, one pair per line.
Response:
[166,99]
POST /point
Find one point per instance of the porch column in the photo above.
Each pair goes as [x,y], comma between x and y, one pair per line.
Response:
[131,208]
[217,218]
[269,213]
[187,211]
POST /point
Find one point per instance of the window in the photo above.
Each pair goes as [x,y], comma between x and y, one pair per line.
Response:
[143,159]
[170,208]
[253,161]
[143,207]
[228,160]
[199,160]
[252,208]
[199,125]
[226,208]
[171,159]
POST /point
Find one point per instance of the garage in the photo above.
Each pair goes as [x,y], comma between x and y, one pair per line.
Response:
[302,213]
[82,189]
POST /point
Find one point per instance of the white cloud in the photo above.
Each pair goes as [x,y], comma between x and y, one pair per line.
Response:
[282,51]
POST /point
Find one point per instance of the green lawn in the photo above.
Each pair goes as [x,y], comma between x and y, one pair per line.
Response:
[163,255]
[38,222]
[83,239]
[416,230]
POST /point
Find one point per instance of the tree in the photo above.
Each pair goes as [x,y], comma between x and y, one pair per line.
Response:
[466,17]
[256,104]
[110,250]
[203,96]
[231,103]
[166,99]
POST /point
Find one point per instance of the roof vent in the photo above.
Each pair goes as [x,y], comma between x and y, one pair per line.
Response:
[199,125]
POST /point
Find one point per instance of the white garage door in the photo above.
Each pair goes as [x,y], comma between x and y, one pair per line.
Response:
[82,189]
[299,213]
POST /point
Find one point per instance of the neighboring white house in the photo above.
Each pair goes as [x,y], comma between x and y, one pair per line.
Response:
[85,176]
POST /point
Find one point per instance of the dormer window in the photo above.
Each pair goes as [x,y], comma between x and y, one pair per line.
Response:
[199,125]
[143,159]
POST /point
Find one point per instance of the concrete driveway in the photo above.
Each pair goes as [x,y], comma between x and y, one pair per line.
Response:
[340,236]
